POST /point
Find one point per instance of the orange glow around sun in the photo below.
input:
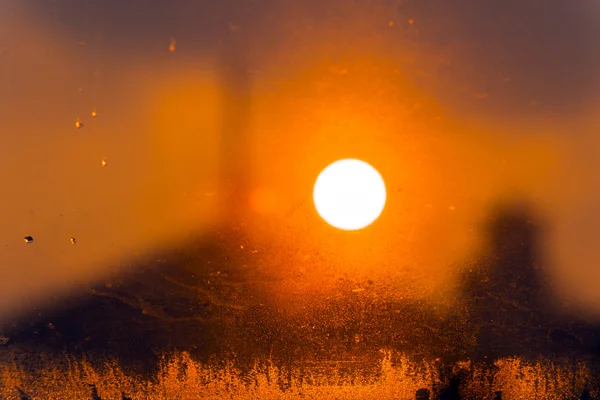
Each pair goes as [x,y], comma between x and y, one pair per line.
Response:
[264,200]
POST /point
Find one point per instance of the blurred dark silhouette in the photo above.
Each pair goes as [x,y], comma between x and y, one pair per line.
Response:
[506,291]
[452,391]
[423,394]
[498,395]
[94,392]
[512,310]
[509,301]
[23,395]
[585,395]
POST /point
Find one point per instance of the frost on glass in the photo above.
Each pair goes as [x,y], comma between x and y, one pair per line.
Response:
[159,234]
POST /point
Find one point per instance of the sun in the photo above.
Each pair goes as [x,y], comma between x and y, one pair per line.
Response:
[349,194]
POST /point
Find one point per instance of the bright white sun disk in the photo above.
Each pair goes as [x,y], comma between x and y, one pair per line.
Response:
[349,194]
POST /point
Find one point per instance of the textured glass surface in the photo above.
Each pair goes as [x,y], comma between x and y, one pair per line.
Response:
[158,234]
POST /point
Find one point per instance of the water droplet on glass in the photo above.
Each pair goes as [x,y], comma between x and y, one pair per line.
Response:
[172,45]
[73,240]
[78,124]
[103,162]
[411,21]
[28,239]
[94,113]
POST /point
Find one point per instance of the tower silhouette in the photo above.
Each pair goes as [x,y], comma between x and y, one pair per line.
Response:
[504,291]
[234,137]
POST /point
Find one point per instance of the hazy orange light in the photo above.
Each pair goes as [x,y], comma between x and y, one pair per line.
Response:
[349,194]
[264,200]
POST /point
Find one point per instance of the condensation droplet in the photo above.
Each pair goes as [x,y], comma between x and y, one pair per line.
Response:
[172,45]
[73,240]
[411,21]
[103,162]
[78,124]
[94,113]
[28,239]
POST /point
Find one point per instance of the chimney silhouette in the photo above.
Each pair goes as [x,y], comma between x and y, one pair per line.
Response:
[234,138]
[504,292]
